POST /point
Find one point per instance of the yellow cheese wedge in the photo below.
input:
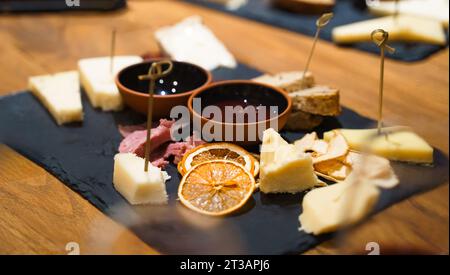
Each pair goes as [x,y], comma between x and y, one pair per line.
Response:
[290,171]
[98,80]
[60,94]
[271,142]
[402,28]
[136,185]
[402,145]
[330,208]
[431,9]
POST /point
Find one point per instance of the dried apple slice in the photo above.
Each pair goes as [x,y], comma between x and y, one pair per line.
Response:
[337,148]
[325,176]
[334,169]
[351,158]
[320,147]
[306,143]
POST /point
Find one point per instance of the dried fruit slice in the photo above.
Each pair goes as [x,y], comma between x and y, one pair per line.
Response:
[334,169]
[216,187]
[306,143]
[320,147]
[337,148]
[218,151]
[310,142]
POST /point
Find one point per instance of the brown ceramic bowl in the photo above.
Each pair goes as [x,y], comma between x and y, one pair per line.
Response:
[247,131]
[171,90]
[304,7]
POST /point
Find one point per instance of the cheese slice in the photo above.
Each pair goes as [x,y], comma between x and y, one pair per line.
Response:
[290,171]
[98,80]
[430,9]
[402,145]
[376,169]
[230,4]
[333,207]
[193,42]
[270,144]
[60,94]
[402,28]
[136,185]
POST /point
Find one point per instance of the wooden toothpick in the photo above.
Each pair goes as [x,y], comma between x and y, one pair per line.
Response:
[380,38]
[320,23]
[113,49]
[396,9]
[155,72]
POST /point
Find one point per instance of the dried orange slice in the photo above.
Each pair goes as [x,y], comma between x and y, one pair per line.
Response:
[218,151]
[216,187]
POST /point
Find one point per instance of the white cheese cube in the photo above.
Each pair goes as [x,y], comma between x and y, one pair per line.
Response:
[290,171]
[193,42]
[136,185]
[98,80]
[231,4]
[60,94]
[271,142]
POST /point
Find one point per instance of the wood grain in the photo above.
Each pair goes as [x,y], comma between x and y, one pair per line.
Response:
[39,214]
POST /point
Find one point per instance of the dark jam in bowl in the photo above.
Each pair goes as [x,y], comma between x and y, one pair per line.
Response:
[184,77]
[254,96]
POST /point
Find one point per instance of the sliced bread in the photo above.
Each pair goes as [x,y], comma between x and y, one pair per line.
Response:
[299,120]
[288,81]
[318,100]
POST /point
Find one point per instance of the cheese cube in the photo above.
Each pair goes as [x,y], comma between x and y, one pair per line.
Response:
[402,145]
[271,142]
[191,41]
[98,80]
[330,208]
[290,171]
[60,94]
[136,185]
[231,4]
[400,28]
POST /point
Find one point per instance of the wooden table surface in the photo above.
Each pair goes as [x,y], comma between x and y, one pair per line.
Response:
[39,214]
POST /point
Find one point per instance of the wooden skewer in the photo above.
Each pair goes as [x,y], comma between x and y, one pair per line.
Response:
[380,38]
[155,72]
[113,49]
[320,23]
[396,9]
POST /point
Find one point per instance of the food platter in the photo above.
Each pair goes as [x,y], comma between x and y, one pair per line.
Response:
[197,153]
[81,156]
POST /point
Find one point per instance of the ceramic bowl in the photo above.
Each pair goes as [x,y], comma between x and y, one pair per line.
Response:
[171,90]
[246,131]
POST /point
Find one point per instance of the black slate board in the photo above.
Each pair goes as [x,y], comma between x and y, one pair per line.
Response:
[345,11]
[81,156]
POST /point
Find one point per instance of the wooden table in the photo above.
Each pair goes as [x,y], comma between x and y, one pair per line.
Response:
[39,214]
